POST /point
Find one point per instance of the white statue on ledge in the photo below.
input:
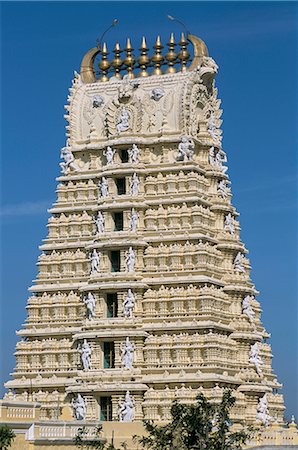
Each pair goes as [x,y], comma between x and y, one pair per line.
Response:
[123,120]
[133,154]
[130,260]
[127,409]
[79,407]
[185,149]
[100,222]
[247,308]
[263,415]
[255,358]
[128,304]
[217,159]
[229,224]
[127,354]
[212,128]
[85,351]
[68,158]
[134,184]
[90,303]
[95,261]
[223,189]
[133,220]
[103,187]
[238,263]
[109,154]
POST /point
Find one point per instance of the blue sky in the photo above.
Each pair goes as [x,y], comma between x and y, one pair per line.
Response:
[255,46]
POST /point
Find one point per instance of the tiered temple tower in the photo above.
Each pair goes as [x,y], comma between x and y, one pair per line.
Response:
[143,293]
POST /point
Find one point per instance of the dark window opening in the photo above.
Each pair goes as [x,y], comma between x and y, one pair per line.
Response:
[106,413]
[115,260]
[108,355]
[112,305]
[121,186]
[118,221]
[124,156]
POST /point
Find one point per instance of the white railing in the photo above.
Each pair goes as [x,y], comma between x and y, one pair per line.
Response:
[60,430]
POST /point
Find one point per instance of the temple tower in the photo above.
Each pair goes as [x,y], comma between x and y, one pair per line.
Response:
[143,293]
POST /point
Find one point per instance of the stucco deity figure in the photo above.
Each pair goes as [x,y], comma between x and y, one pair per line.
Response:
[126,88]
[85,351]
[208,66]
[95,261]
[212,128]
[157,94]
[109,154]
[247,308]
[229,224]
[255,358]
[238,263]
[220,160]
[123,120]
[128,304]
[133,154]
[90,305]
[185,149]
[79,407]
[103,187]
[134,184]
[127,354]
[127,409]
[130,260]
[212,156]
[97,101]
[133,220]
[68,161]
[223,189]
[100,222]
[263,415]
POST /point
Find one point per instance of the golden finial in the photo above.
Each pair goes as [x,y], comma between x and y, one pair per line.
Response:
[183,55]
[117,61]
[143,59]
[171,56]
[104,64]
[157,58]
[129,60]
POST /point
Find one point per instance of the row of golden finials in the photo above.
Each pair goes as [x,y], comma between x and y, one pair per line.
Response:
[156,61]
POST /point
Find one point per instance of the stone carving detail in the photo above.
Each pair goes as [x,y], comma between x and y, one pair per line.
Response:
[90,303]
[217,158]
[157,111]
[103,187]
[127,409]
[123,120]
[97,101]
[185,149]
[157,94]
[223,189]
[128,304]
[134,184]
[79,407]
[127,354]
[68,161]
[238,263]
[130,260]
[126,89]
[263,415]
[85,351]
[213,130]
[208,67]
[95,261]
[133,154]
[100,222]
[109,154]
[255,358]
[133,220]
[229,224]
[247,308]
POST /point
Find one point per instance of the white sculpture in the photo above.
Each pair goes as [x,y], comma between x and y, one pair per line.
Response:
[212,128]
[133,154]
[220,160]
[97,101]
[68,163]
[185,149]
[123,120]
[223,189]
[229,224]
[238,263]
[79,407]
[85,351]
[127,409]
[100,222]
[247,308]
[130,260]
[208,67]
[263,415]
[255,358]
[157,94]
[104,187]
[133,220]
[109,154]
[95,261]
[90,303]
[127,354]
[134,184]
[128,304]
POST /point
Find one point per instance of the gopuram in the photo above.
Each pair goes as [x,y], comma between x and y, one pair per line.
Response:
[143,293]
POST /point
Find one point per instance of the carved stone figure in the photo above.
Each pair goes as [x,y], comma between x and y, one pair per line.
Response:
[85,351]
[134,184]
[185,149]
[126,88]
[157,94]
[123,120]
[263,415]
[90,303]
[220,160]
[229,224]
[208,67]
[100,222]
[79,407]
[247,308]
[133,220]
[212,156]
[97,101]
[238,263]
[130,260]
[104,187]
[109,154]
[223,189]
[68,158]
[127,354]
[212,128]
[128,304]
[95,261]
[255,358]
[127,409]
[133,154]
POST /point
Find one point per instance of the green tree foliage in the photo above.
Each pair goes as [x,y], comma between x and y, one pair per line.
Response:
[200,426]
[6,437]
[86,442]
